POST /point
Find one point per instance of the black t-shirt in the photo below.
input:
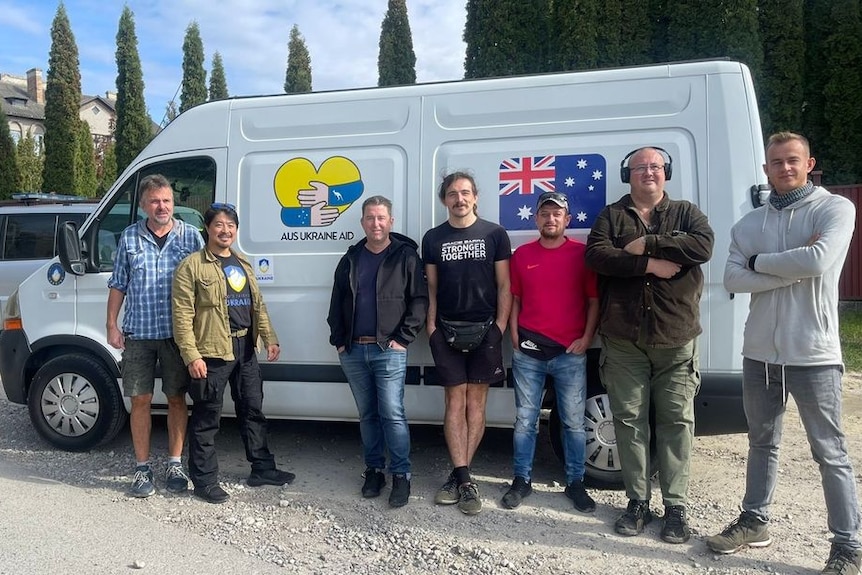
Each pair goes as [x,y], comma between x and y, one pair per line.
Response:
[160,240]
[465,258]
[238,293]
[365,312]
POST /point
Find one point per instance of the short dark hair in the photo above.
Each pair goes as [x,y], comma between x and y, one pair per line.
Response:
[377,201]
[212,212]
[151,183]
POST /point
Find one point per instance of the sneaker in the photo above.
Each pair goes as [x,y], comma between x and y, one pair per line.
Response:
[843,561]
[448,494]
[636,517]
[270,477]
[579,496]
[211,493]
[400,494]
[176,479]
[374,482]
[746,531]
[520,489]
[675,528]
[142,483]
[469,503]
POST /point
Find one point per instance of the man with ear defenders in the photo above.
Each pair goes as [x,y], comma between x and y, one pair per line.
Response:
[647,250]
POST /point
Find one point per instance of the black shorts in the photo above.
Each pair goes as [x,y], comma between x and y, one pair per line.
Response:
[483,365]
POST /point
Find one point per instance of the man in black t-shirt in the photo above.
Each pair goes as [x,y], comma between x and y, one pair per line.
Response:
[467,266]
[218,316]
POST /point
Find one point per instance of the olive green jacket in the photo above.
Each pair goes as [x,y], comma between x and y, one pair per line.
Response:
[199,299]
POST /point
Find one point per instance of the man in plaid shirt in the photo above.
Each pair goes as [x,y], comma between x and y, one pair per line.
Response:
[147,255]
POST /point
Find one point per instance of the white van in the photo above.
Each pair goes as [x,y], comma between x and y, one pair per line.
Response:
[518,135]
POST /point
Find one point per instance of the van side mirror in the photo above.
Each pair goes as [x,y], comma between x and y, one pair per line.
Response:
[69,249]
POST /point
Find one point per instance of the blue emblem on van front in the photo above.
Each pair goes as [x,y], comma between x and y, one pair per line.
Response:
[56,274]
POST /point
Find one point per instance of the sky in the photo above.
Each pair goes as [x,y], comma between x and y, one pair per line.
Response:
[342,38]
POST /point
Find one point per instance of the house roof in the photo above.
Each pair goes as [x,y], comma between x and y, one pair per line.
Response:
[16,103]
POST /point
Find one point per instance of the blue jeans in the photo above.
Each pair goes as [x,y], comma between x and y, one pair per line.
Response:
[817,393]
[569,373]
[376,378]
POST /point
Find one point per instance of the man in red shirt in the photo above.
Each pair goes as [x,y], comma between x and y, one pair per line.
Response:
[555,309]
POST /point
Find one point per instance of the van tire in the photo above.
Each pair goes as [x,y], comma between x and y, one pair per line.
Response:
[602,464]
[75,403]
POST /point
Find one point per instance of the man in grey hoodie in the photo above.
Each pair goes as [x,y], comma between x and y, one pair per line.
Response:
[788,255]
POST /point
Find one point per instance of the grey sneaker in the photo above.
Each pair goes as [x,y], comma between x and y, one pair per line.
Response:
[142,483]
[176,480]
[520,490]
[469,504]
[746,531]
[843,561]
[448,494]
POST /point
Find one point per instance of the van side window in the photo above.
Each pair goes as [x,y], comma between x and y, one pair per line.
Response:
[193,182]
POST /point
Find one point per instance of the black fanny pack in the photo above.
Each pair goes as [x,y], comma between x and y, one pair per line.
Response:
[465,335]
[538,346]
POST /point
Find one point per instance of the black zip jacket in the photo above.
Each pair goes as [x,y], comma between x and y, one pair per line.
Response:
[402,294]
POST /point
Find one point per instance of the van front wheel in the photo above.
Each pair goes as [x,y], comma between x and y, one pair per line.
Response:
[75,403]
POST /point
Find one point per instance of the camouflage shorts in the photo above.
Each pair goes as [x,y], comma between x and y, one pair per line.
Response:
[139,367]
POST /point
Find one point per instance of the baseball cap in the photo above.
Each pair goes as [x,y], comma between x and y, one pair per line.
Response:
[555,197]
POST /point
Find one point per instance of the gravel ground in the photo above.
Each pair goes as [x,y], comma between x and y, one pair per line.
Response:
[320,525]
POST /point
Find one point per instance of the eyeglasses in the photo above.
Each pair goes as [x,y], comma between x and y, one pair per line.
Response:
[221,206]
[652,168]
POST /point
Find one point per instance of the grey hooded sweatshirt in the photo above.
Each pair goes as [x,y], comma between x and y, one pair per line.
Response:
[793,314]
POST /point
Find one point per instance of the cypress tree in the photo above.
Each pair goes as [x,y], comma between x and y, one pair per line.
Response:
[132,132]
[610,15]
[9,174]
[843,113]
[106,171]
[636,32]
[218,82]
[30,163]
[396,61]
[740,35]
[194,89]
[62,108]
[573,25]
[818,25]
[85,160]
[780,86]
[506,37]
[297,78]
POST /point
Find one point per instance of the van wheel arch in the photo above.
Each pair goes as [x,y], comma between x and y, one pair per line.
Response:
[75,403]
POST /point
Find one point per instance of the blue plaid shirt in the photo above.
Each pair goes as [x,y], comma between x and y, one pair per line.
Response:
[144,273]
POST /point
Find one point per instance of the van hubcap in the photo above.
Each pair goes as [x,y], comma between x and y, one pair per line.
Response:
[601,452]
[70,404]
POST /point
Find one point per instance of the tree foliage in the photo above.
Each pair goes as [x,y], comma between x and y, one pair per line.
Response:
[506,37]
[297,78]
[85,162]
[609,34]
[194,90]
[106,169]
[780,85]
[9,174]
[396,61]
[133,128]
[62,108]
[218,81]
[573,26]
[30,163]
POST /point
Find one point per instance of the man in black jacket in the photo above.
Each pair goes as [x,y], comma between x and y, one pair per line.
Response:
[379,303]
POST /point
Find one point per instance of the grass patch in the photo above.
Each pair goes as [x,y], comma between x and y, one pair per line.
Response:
[851,337]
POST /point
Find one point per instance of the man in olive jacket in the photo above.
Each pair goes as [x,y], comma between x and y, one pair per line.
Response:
[218,316]
[647,250]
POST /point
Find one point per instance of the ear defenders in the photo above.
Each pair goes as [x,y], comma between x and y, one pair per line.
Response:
[626,173]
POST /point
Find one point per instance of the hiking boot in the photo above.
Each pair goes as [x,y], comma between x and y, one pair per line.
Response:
[520,489]
[843,561]
[636,517]
[270,477]
[469,503]
[374,482]
[448,494]
[176,480]
[579,496]
[746,531]
[400,494]
[142,483]
[675,528]
[212,493]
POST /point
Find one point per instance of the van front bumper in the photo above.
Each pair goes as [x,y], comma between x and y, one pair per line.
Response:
[14,354]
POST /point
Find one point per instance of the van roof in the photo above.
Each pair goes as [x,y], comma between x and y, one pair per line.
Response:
[47,208]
